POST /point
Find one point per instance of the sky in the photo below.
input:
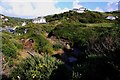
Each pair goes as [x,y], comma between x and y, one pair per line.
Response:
[35,8]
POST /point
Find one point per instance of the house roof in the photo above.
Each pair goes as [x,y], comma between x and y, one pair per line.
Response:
[111,17]
[39,18]
[79,9]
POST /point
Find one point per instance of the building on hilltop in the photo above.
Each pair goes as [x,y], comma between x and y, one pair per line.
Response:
[39,20]
[24,23]
[6,19]
[79,10]
[111,17]
[77,7]
[1,16]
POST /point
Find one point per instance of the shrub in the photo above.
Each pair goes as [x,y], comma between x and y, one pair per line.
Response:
[47,49]
[10,46]
[36,68]
[9,51]
[57,46]
[83,20]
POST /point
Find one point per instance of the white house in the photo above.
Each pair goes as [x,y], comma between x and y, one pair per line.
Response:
[39,20]
[1,16]
[117,17]
[24,23]
[111,18]
[3,19]
[6,19]
[79,10]
[77,7]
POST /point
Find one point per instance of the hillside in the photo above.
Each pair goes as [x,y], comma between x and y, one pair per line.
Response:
[87,17]
[14,21]
[70,46]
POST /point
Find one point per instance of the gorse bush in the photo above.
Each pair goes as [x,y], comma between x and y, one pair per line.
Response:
[10,46]
[57,46]
[41,44]
[9,51]
[36,68]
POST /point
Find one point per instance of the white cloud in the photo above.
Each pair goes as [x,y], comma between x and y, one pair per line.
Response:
[76,4]
[29,0]
[1,9]
[31,8]
[111,0]
[112,6]
[98,9]
[98,0]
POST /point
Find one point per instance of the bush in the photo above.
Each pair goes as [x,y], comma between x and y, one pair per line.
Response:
[9,51]
[9,47]
[47,49]
[83,20]
[57,46]
[36,68]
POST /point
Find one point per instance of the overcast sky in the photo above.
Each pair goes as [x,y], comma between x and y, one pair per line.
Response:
[35,8]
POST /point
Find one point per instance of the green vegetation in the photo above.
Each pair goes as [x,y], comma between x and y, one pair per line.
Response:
[58,46]
[9,45]
[38,68]
[41,44]
[87,17]
[101,25]
[88,37]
